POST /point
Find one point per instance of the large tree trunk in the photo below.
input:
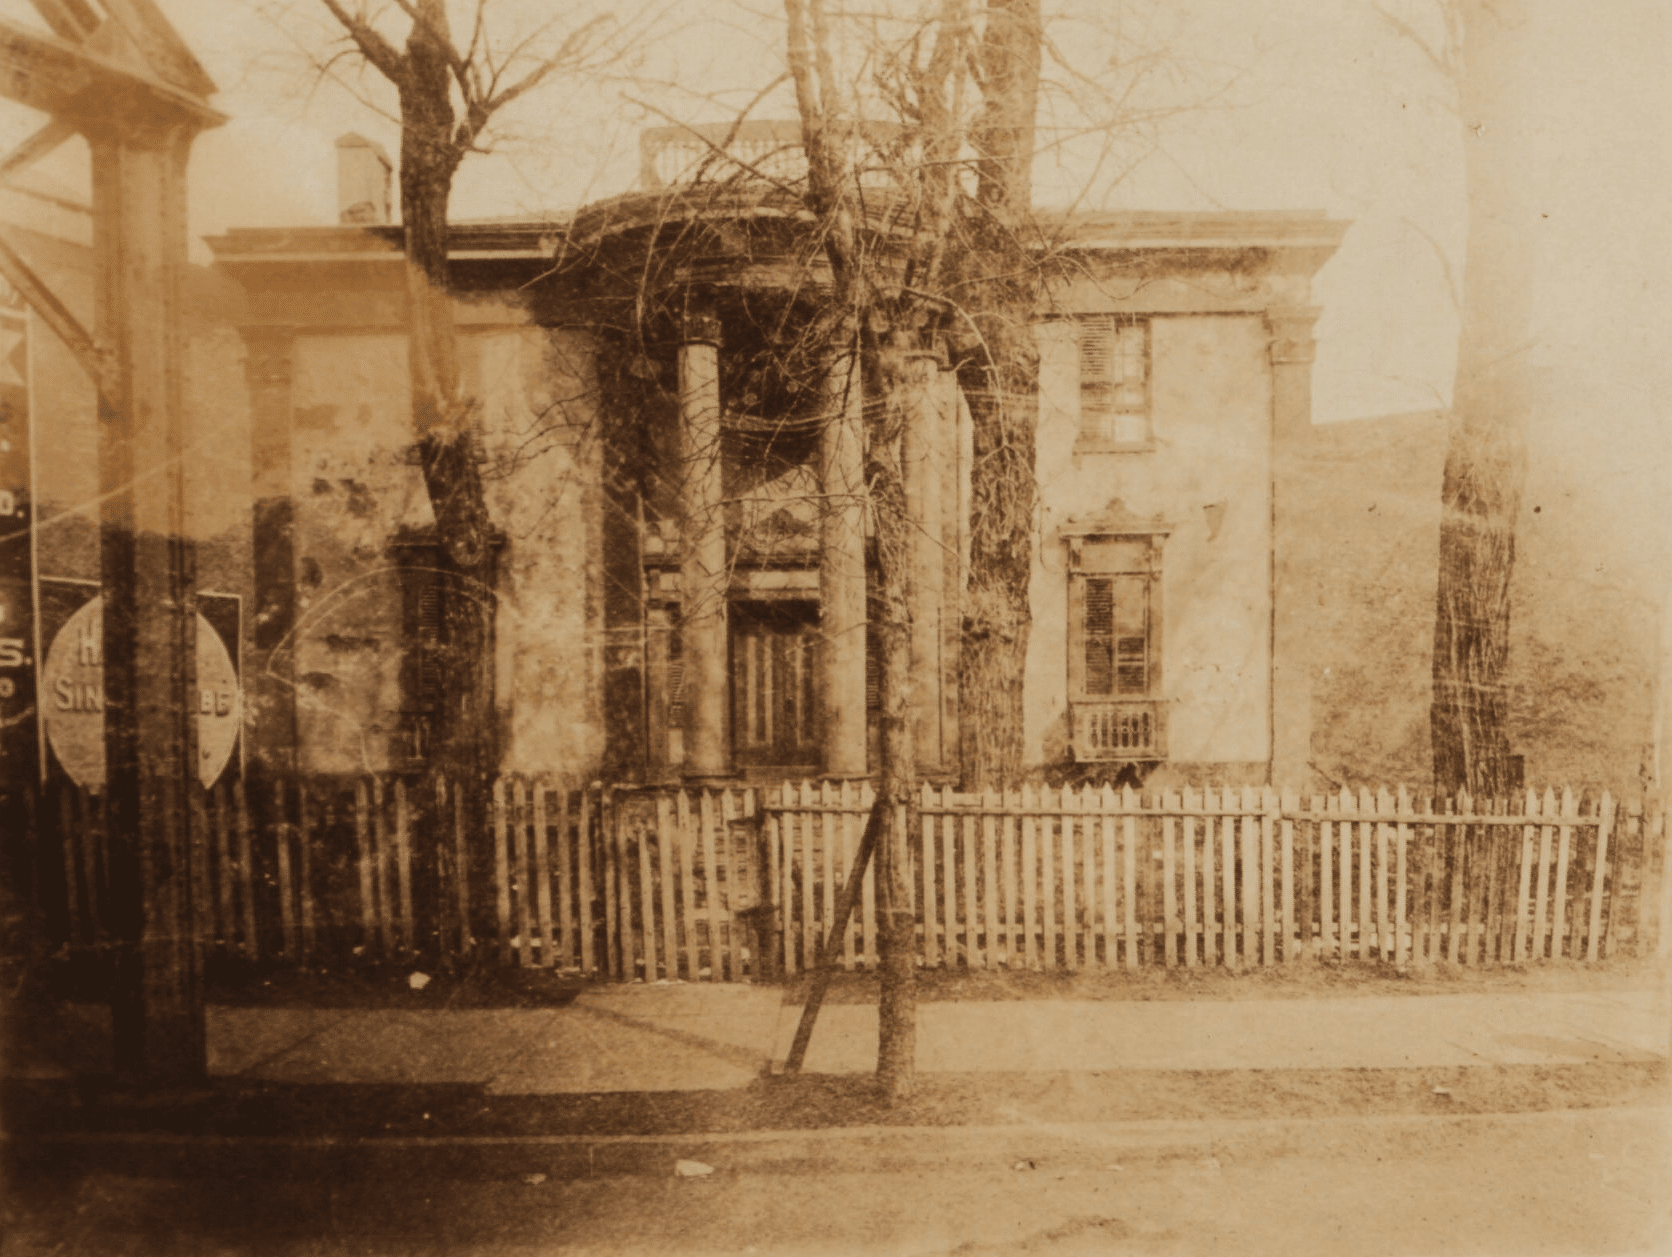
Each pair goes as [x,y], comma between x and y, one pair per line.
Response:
[902,378]
[1485,469]
[998,285]
[442,416]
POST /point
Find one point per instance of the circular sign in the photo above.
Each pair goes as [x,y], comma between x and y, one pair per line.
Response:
[73,699]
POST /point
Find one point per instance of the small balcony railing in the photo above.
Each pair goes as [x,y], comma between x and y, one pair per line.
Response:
[1124,729]
[749,151]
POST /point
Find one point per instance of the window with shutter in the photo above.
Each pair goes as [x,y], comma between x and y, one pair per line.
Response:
[1114,382]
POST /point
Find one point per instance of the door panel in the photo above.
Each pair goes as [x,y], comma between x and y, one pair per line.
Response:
[774,691]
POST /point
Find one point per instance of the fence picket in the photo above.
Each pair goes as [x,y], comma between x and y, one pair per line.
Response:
[1092,877]
[1663,919]
[711,889]
[622,830]
[197,835]
[1461,866]
[403,863]
[1558,929]
[647,904]
[850,852]
[1045,826]
[665,840]
[1291,952]
[1129,872]
[1248,823]
[281,832]
[1402,939]
[1524,886]
[565,951]
[1326,907]
[975,947]
[1383,805]
[543,876]
[304,872]
[1268,912]
[1211,952]
[461,869]
[1070,906]
[380,865]
[1169,904]
[684,843]
[228,923]
[949,885]
[609,864]
[926,869]
[590,812]
[730,875]
[363,860]
[1605,821]
[1030,880]
[1541,893]
[868,890]
[517,804]
[1191,802]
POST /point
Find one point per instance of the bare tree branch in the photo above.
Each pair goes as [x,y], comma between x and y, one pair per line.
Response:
[376,49]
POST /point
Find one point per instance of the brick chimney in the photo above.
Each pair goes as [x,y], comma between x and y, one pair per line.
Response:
[363,170]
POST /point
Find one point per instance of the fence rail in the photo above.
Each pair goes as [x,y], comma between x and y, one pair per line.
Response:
[720,884]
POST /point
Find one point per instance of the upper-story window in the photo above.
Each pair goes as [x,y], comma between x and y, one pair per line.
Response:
[1114,382]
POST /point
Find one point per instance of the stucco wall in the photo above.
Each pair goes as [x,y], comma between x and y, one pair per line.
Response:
[539,400]
[1211,406]
[353,488]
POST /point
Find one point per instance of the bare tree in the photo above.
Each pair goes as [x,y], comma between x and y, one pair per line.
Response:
[1479,52]
[450,94]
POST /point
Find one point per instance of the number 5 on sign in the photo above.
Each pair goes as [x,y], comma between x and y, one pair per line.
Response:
[11,652]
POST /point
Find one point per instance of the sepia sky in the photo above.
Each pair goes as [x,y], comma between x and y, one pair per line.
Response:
[1283,104]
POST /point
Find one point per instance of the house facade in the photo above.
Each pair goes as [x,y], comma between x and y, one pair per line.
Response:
[673,462]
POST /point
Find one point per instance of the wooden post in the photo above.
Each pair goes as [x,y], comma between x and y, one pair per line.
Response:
[825,962]
[148,578]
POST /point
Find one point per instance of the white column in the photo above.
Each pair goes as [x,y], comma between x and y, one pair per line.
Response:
[702,565]
[842,569]
[1292,351]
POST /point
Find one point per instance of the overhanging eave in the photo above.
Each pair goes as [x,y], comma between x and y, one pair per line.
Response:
[89,90]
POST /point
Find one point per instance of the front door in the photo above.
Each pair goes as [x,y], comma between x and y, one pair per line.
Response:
[774,689]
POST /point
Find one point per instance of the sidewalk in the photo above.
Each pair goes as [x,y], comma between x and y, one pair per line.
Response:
[714,1037]
[708,1037]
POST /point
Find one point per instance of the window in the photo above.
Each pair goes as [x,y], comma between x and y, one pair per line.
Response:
[1114,382]
[423,655]
[1114,648]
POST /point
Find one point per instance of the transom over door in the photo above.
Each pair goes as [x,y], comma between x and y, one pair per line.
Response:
[774,661]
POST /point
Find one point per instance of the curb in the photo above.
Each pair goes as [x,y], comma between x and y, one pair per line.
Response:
[868,1149]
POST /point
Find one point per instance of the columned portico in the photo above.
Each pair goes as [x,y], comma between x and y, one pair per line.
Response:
[702,567]
[842,569]
[1292,352]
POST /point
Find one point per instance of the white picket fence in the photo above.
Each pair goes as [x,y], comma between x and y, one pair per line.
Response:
[716,885]
[1101,878]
